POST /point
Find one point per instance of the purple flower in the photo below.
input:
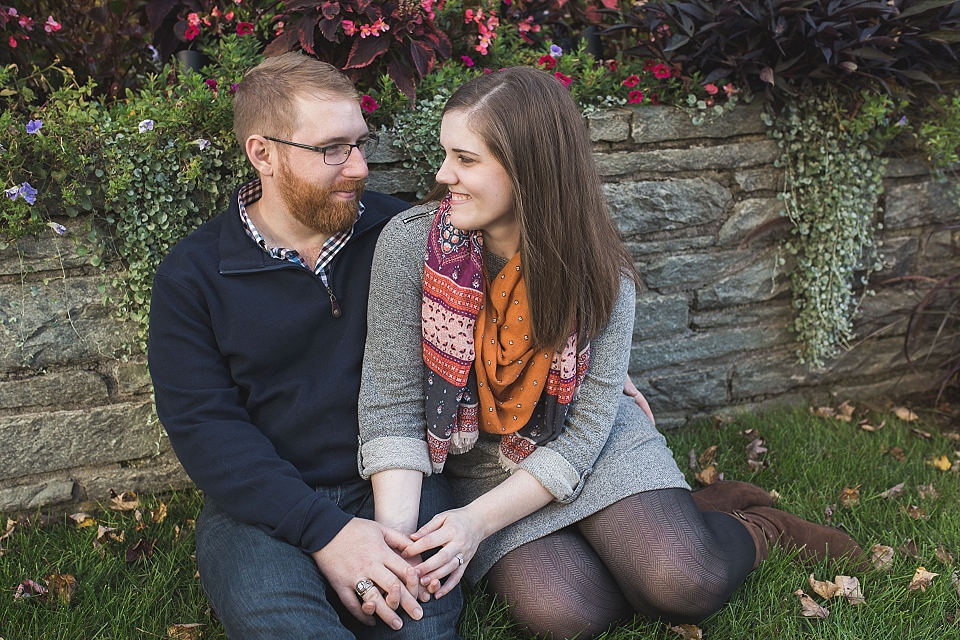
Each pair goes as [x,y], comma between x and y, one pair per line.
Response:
[902,122]
[145,125]
[28,193]
[12,192]
[34,126]
[555,51]
[154,54]
[59,229]
[203,144]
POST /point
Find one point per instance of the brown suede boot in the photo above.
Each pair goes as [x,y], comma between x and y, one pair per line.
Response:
[814,542]
[730,495]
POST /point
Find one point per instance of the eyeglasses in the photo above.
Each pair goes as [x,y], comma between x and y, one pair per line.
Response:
[336,154]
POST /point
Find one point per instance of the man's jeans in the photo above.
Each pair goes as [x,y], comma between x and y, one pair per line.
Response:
[262,587]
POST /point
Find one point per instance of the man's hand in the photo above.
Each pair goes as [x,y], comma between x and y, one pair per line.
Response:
[631,390]
[366,549]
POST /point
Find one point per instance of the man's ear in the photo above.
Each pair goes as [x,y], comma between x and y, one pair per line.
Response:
[262,155]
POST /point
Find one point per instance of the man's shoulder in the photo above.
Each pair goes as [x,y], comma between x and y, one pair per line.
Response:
[200,247]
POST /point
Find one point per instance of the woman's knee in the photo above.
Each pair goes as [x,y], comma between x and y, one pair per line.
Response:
[679,595]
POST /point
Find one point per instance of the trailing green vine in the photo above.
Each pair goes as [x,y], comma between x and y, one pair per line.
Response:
[833,174]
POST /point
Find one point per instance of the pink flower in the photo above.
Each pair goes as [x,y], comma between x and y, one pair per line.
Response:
[26,22]
[631,81]
[547,62]
[192,32]
[228,15]
[711,88]
[349,28]
[211,84]
[234,87]
[729,89]
[279,27]
[51,25]
[468,15]
[467,60]
[379,26]
[244,28]
[365,31]
[661,71]
[654,99]
[12,12]
[13,42]
[368,104]
[635,97]
[486,71]
[613,65]
[566,80]
[648,64]
[193,19]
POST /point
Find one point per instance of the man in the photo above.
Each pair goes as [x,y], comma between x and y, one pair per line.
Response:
[257,329]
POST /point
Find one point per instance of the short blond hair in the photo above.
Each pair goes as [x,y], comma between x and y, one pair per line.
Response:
[265,102]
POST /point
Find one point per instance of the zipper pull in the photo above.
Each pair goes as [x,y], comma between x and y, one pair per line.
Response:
[334,306]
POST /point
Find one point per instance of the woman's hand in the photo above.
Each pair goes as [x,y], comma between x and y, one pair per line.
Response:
[631,390]
[457,533]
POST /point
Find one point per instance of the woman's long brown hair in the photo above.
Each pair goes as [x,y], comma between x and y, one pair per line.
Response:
[571,254]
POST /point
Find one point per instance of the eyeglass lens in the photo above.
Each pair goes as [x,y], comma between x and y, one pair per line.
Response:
[338,154]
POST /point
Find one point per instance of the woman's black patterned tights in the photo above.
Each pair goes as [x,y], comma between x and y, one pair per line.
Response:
[653,552]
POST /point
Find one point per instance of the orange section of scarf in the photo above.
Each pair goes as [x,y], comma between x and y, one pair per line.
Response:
[511,374]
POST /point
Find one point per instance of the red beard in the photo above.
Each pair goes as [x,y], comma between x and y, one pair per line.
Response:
[311,205]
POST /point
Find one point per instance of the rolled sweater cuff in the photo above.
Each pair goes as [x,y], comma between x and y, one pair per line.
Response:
[393,452]
[555,473]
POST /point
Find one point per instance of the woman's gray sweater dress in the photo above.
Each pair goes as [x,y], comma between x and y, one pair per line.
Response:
[608,449]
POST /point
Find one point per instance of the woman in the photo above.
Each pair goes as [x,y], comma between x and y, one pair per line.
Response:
[499,335]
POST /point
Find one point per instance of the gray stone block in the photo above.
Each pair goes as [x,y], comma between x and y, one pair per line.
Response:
[34,496]
[659,124]
[939,256]
[659,315]
[695,347]
[747,216]
[133,378]
[688,270]
[74,387]
[62,322]
[393,181]
[773,313]
[153,475]
[41,442]
[871,357]
[885,314]
[386,152]
[48,252]
[689,390]
[905,168]
[722,157]
[894,387]
[612,125]
[641,250]
[645,207]
[899,257]
[914,205]
[757,281]
[772,372]
[763,179]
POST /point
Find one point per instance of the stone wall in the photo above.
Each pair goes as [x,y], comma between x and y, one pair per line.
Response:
[75,406]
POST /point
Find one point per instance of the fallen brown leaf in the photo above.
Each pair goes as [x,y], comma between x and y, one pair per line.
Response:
[897,453]
[158,514]
[756,449]
[83,520]
[143,548]
[62,586]
[30,589]
[927,491]
[866,426]
[849,497]
[126,501]
[692,456]
[940,462]
[184,631]
[943,556]
[824,589]
[809,608]
[893,491]
[758,465]
[708,476]
[688,631]
[951,436]
[849,588]
[824,412]
[881,557]
[845,411]
[708,455]
[921,580]
[909,548]
[750,434]
[905,414]
[920,433]
[915,512]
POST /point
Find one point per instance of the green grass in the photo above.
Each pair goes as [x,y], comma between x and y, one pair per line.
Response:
[811,461]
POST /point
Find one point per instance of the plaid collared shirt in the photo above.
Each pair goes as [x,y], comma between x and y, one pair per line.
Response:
[253,191]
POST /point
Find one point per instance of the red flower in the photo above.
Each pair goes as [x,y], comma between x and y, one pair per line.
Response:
[654,99]
[566,80]
[613,65]
[547,62]
[635,97]
[368,104]
[661,71]
[211,84]
[467,60]
[486,71]
[648,64]
[234,87]
[631,81]
[244,28]
[711,88]
[13,42]
[192,32]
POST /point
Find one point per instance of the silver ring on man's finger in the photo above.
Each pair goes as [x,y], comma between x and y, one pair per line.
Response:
[459,560]
[364,586]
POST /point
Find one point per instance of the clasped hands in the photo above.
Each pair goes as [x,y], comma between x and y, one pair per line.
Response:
[365,549]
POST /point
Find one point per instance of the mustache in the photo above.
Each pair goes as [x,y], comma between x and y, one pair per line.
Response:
[348,185]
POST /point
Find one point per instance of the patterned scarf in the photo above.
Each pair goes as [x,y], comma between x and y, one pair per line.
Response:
[523,394]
